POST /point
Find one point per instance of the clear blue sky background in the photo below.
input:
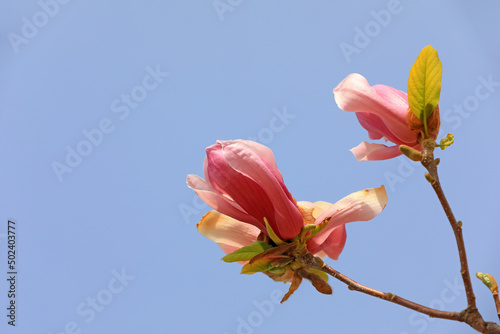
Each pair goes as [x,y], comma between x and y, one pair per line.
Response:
[118,212]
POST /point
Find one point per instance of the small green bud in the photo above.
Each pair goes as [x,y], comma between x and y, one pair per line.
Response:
[410,152]
[489,281]
[429,178]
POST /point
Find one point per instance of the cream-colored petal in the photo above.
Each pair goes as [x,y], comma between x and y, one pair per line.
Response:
[310,211]
[222,229]
[359,206]
[307,214]
[319,207]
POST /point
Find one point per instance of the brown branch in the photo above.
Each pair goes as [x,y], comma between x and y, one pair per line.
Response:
[497,303]
[309,260]
[430,164]
[470,316]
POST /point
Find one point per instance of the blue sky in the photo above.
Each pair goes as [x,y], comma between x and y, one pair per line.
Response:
[105,107]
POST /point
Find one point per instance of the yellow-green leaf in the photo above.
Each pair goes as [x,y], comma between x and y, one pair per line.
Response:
[257,266]
[424,84]
[247,252]
[445,142]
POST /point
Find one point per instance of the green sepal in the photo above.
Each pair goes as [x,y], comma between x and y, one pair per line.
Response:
[320,273]
[273,235]
[257,266]
[276,270]
[424,84]
[445,142]
[320,227]
[247,252]
[309,227]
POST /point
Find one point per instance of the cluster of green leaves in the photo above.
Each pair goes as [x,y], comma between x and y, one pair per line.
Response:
[262,256]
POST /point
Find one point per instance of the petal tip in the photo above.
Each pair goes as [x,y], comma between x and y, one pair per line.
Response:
[382,194]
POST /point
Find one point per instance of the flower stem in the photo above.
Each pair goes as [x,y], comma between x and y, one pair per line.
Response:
[429,163]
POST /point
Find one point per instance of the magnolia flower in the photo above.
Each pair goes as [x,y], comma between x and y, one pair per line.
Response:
[244,186]
[382,111]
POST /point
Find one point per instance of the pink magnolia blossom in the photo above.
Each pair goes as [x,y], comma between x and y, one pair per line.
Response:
[242,181]
[243,184]
[382,111]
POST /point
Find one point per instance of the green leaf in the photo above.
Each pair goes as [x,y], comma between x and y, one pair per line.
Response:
[247,252]
[445,142]
[257,266]
[424,84]
[276,252]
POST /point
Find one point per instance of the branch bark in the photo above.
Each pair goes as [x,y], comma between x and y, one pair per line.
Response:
[430,164]
[309,261]
[470,316]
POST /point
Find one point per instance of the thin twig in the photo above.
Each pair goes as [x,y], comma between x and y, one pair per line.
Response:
[470,316]
[497,303]
[355,286]
[310,261]
[429,163]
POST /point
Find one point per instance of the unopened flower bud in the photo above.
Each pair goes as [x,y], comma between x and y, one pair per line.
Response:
[411,153]
[489,281]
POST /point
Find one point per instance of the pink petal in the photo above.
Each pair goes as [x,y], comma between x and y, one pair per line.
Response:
[354,94]
[238,187]
[334,244]
[394,97]
[370,151]
[376,127]
[359,206]
[229,233]
[217,201]
[264,153]
[287,221]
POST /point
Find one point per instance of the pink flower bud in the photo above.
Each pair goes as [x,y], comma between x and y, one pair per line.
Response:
[382,111]
[242,181]
[243,184]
